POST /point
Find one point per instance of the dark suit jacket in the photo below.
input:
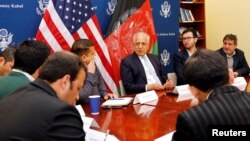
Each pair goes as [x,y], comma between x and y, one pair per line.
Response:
[133,74]
[34,113]
[225,106]
[240,64]
[179,59]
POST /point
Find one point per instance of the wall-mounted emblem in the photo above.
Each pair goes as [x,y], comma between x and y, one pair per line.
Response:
[42,6]
[5,39]
[111,7]
[165,57]
[165,9]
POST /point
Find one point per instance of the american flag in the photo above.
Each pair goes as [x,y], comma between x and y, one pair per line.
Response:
[64,21]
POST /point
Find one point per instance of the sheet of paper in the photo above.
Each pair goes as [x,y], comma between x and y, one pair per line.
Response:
[89,122]
[111,138]
[240,83]
[167,137]
[145,97]
[94,135]
[80,110]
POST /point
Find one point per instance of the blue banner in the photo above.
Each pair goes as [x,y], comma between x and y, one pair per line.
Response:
[166,20]
[104,11]
[19,20]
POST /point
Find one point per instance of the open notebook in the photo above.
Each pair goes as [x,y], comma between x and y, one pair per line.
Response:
[117,102]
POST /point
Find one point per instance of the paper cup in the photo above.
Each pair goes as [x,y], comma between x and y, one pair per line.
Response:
[94,101]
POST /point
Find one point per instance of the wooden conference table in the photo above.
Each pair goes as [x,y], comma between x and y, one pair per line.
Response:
[131,124]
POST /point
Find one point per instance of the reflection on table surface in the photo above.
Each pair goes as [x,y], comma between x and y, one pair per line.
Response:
[248,85]
[141,121]
[144,122]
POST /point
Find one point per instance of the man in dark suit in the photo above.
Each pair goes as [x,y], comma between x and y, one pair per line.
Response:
[189,39]
[29,56]
[221,107]
[235,57]
[44,110]
[142,72]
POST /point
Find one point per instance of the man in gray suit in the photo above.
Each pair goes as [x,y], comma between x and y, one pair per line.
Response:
[223,110]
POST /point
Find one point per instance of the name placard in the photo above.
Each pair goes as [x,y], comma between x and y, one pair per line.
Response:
[145,97]
[240,83]
[184,93]
[80,110]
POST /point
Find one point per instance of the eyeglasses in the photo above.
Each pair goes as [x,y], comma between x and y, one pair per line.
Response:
[140,43]
[187,38]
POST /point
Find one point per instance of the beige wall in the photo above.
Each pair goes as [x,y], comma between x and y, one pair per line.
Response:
[228,16]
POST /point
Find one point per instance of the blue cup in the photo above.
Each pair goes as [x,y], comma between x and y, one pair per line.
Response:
[94,101]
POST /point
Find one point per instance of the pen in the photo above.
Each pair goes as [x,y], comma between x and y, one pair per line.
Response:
[116,99]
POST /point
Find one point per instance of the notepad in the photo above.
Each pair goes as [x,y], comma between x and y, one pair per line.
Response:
[117,102]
